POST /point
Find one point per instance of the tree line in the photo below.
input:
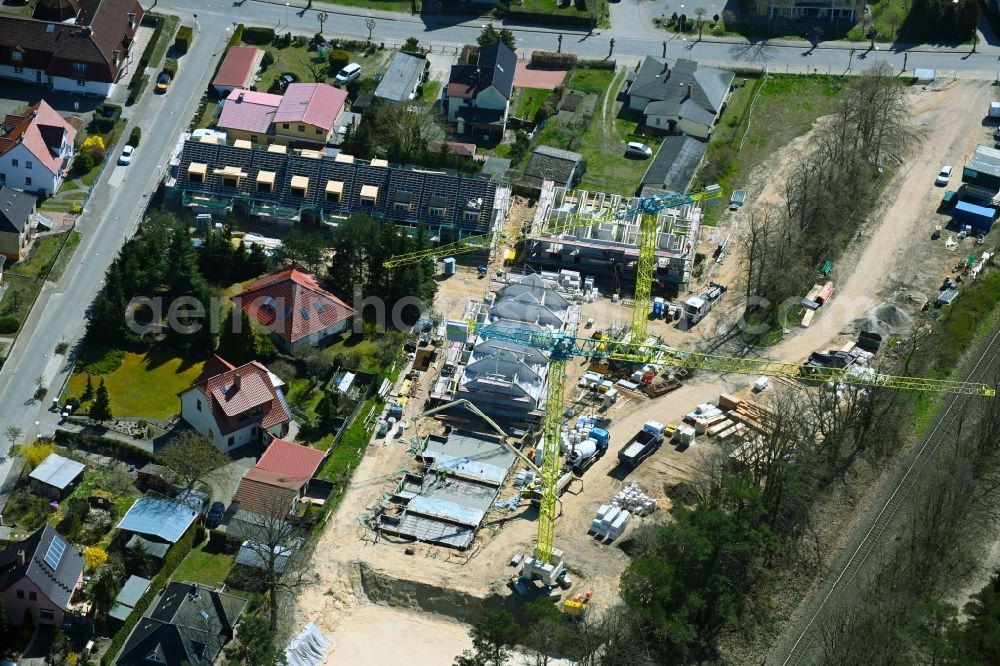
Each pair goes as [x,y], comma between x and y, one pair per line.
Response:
[829,192]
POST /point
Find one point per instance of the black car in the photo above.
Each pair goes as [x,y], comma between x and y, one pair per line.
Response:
[996,134]
[215,513]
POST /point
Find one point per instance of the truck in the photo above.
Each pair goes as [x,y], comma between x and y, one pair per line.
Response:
[696,307]
[584,454]
[642,445]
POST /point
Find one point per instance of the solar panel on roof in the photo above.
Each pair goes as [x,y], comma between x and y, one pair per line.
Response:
[55,552]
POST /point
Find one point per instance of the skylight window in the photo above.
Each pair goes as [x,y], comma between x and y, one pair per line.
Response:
[318,307]
[55,552]
[305,313]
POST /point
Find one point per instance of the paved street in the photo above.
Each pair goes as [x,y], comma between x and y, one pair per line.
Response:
[121,192]
[118,200]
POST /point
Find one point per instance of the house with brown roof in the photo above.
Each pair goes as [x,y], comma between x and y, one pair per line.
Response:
[17,218]
[279,479]
[75,46]
[238,70]
[36,150]
[297,310]
[236,406]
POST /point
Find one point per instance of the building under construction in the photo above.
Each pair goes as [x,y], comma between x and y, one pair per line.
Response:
[601,234]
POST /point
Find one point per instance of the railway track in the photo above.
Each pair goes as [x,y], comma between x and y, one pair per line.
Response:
[846,573]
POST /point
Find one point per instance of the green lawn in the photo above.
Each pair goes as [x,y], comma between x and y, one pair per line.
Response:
[207,116]
[146,384]
[205,567]
[44,255]
[551,7]
[342,462]
[602,144]
[382,5]
[787,108]
[306,67]
[19,296]
[529,100]
[431,90]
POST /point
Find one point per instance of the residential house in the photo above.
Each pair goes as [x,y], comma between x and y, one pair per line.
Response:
[17,216]
[402,77]
[673,167]
[453,147]
[247,115]
[36,149]
[836,10]
[237,406]
[563,167]
[75,46]
[38,577]
[308,113]
[238,69]
[479,95]
[189,624]
[298,311]
[684,97]
[56,476]
[156,524]
[304,117]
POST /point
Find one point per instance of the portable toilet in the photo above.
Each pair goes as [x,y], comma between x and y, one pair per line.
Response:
[449,266]
[659,306]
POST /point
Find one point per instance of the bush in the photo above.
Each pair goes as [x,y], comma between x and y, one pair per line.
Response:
[267,60]
[237,36]
[170,67]
[553,60]
[9,324]
[135,136]
[104,118]
[98,153]
[217,540]
[338,59]
[258,36]
[182,42]
[199,534]
[35,453]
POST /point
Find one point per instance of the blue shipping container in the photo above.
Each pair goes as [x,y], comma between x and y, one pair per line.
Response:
[979,217]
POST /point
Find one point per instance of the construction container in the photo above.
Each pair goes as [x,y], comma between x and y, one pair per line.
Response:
[449,266]
[684,435]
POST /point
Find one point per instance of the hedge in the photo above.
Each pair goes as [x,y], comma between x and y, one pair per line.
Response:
[183,39]
[135,137]
[171,561]
[147,52]
[9,324]
[134,93]
[597,64]
[237,35]
[105,116]
[553,60]
[114,447]
[257,35]
[170,67]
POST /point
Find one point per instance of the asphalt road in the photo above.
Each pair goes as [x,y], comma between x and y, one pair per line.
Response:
[119,199]
[121,192]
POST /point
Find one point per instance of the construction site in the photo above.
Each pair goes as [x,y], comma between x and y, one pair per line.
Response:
[548,409]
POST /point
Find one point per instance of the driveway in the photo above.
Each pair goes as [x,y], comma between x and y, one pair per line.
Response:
[548,79]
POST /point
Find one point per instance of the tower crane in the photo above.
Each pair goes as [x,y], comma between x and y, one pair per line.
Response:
[547,562]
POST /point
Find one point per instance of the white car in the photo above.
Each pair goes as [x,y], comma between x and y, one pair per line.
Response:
[636,149]
[126,156]
[349,73]
[943,176]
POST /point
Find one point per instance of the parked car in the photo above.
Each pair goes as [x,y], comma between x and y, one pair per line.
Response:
[285,79]
[944,175]
[996,134]
[126,156]
[162,82]
[349,73]
[215,513]
[636,149]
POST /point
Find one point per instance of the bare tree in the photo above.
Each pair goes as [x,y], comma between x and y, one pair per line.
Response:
[370,23]
[193,458]
[893,17]
[322,17]
[700,13]
[282,561]
[13,434]
[868,27]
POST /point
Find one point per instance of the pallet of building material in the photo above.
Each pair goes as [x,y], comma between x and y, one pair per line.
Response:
[721,425]
[701,426]
[727,401]
[747,420]
[656,389]
[728,432]
[807,318]
[814,292]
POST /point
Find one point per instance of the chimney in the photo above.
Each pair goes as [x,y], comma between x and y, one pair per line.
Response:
[690,89]
[236,381]
[114,56]
[21,559]
[131,20]
[239,99]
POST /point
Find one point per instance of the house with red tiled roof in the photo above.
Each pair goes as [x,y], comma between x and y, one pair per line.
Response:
[238,69]
[281,477]
[297,310]
[237,406]
[36,150]
[308,113]
[75,46]
[248,115]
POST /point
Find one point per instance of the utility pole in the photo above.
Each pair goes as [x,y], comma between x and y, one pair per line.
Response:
[905,56]
[611,50]
[664,48]
[559,48]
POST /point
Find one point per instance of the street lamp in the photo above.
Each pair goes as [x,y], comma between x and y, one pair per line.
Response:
[286,12]
[876,55]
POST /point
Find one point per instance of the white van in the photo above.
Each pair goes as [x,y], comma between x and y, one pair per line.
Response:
[349,73]
[636,149]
